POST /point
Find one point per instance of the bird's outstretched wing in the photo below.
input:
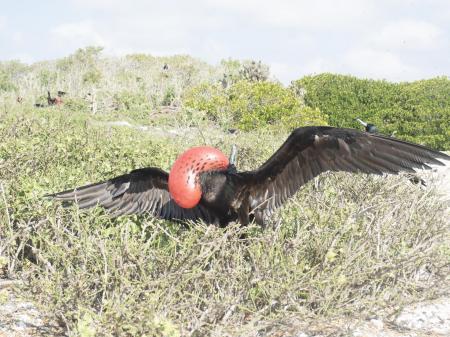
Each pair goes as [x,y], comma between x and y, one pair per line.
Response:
[140,191]
[309,151]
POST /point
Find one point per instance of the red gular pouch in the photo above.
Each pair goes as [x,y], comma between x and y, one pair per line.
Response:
[184,184]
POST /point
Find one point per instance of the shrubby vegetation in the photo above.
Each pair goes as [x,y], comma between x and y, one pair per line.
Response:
[345,244]
[248,105]
[417,111]
[234,94]
[234,71]
[88,71]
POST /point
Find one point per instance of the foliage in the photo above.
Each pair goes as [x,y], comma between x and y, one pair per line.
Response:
[92,76]
[212,99]
[88,70]
[230,72]
[9,73]
[345,244]
[89,55]
[417,111]
[254,71]
[134,105]
[248,105]
[47,78]
[76,104]
[6,83]
[169,97]
[248,70]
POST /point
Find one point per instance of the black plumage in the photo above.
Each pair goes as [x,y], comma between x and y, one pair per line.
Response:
[230,195]
[412,177]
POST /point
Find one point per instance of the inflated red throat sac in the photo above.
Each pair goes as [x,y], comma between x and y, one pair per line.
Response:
[184,186]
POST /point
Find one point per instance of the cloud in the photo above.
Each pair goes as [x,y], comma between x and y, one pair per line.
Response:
[78,34]
[3,21]
[318,15]
[408,34]
[158,28]
[282,71]
[104,5]
[378,64]
[320,65]
[17,37]
[392,39]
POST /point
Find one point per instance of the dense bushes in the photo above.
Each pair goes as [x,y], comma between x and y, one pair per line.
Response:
[417,111]
[234,94]
[249,105]
[348,244]
[9,72]
[161,79]
[234,71]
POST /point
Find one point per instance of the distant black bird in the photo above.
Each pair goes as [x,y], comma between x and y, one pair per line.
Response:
[53,101]
[369,127]
[204,185]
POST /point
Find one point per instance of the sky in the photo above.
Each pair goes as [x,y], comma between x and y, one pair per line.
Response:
[396,40]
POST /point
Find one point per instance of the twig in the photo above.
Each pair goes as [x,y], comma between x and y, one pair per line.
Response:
[6,203]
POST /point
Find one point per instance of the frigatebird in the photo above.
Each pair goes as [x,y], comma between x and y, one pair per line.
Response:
[204,184]
[371,128]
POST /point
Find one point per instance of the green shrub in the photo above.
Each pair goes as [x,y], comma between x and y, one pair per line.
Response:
[169,97]
[230,72]
[134,105]
[248,70]
[5,83]
[417,111]
[254,71]
[75,104]
[92,76]
[210,98]
[249,105]
[127,100]
[47,78]
[10,71]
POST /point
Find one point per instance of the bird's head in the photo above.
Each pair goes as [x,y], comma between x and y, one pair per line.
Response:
[184,183]
[370,128]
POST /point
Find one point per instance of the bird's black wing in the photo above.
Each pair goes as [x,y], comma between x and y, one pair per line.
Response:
[309,151]
[140,191]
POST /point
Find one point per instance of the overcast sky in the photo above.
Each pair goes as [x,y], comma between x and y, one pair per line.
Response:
[396,40]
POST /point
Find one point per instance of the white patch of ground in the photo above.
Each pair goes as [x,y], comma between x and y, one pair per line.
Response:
[432,317]
[19,317]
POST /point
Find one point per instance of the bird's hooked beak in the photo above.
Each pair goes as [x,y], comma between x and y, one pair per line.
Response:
[362,122]
[233,155]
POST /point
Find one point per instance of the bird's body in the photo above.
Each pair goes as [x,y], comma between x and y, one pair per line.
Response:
[228,195]
[55,101]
